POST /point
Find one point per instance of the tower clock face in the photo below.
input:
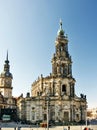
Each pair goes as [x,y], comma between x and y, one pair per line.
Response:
[7,74]
[7,82]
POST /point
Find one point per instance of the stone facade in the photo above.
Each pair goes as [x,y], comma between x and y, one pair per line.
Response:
[53,97]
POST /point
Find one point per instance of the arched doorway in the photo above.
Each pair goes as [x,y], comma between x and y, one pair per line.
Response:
[66,116]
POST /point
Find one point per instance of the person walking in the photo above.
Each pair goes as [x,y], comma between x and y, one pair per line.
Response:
[68,127]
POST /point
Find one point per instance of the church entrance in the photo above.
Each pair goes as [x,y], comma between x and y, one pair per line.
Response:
[66,116]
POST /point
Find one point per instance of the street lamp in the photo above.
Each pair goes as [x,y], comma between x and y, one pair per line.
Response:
[86,114]
[38,101]
[39,105]
[63,123]
[72,111]
[48,101]
[47,114]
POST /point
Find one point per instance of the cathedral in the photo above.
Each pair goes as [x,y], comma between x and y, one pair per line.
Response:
[53,97]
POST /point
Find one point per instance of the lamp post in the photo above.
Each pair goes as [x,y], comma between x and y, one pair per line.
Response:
[72,112]
[47,114]
[63,123]
[61,104]
[38,121]
[47,100]
[39,106]
[86,114]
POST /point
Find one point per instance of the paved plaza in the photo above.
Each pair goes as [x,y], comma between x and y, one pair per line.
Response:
[53,128]
[14,126]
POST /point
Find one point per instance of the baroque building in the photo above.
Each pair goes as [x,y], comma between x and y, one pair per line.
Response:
[7,101]
[53,97]
[92,114]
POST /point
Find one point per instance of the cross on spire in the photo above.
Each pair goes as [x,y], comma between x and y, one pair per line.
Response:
[60,24]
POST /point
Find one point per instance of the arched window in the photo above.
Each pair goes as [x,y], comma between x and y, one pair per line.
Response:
[64,88]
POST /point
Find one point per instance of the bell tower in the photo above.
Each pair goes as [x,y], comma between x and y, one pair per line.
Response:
[6,80]
[62,65]
[61,61]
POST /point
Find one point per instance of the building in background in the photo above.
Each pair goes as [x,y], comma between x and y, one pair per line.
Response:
[53,97]
[92,113]
[7,101]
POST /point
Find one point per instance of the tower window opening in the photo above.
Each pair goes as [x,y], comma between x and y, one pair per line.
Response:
[64,88]
[62,70]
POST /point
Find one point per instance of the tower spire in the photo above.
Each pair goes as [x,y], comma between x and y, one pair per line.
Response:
[6,65]
[61,61]
[7,61]
[60,24]
[7,56]
[60,31]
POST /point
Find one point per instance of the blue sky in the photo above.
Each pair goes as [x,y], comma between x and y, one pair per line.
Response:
[28,29]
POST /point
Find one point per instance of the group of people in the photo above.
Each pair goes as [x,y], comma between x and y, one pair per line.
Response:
[86,128]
